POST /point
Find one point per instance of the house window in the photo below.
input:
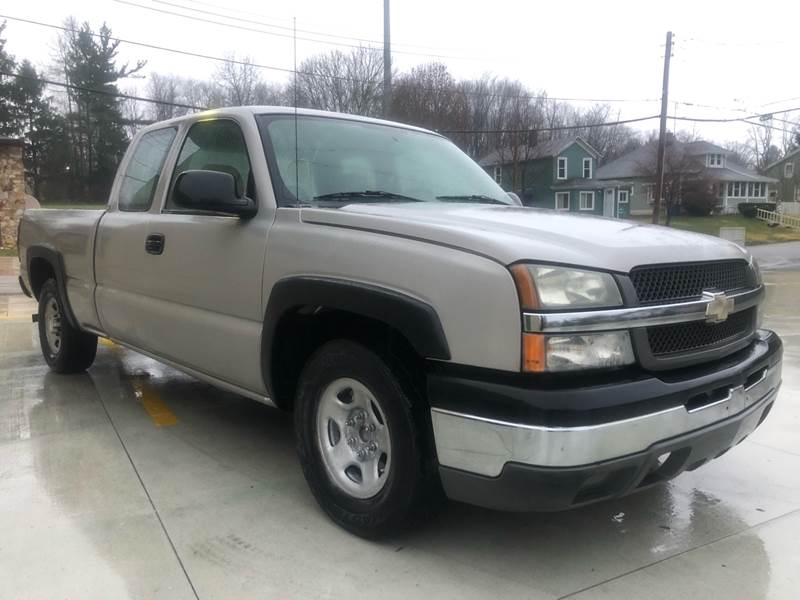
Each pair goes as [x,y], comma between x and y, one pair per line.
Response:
[715,160]
[562,200]
[587,201]
[561,170]
[622,196]
[649,192]
[751,189]
[788,169]
[498,174]
[587,168]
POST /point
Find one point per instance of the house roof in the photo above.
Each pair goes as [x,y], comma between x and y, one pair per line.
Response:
[791,154]
[703,147]
[589,184]
[636,162]
[735,172]
[631,164]
[541,150]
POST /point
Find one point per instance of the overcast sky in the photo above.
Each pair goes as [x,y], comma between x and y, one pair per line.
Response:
[730,55]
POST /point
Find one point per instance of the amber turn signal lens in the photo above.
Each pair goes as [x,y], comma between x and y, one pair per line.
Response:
[533,353]
[526,289]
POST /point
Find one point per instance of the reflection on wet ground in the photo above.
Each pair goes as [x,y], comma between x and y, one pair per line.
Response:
[135,481]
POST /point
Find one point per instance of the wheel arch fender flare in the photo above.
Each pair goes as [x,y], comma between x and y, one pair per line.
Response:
[415,319]
[56,261]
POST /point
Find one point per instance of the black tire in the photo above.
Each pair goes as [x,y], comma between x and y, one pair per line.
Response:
[412,489]
[75,350]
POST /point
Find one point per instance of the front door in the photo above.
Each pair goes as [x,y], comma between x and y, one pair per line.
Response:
[207,302]
[608,203]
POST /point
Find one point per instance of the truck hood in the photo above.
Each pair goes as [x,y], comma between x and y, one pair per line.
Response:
[510,233]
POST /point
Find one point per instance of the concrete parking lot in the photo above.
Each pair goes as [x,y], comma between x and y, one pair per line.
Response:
[135,481]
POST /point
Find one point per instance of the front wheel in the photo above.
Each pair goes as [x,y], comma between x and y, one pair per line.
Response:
[361,442]
[65,348]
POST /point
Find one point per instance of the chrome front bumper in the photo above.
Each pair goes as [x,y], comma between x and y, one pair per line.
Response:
[484,446]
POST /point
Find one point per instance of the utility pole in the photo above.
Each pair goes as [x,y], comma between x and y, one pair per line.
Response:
[387,63]
[662,134]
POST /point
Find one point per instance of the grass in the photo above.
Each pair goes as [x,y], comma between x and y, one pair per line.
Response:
[8,251]
[757,231]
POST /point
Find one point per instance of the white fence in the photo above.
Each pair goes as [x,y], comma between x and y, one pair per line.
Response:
[778,218]
[789,208]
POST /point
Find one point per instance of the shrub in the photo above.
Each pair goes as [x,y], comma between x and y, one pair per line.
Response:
[697,198]
[749,209]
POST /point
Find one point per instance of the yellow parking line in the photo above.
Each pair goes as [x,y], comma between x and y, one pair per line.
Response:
[160,413]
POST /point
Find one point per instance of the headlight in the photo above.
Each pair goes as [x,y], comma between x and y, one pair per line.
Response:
[541,286]
[756,270]
[588,351]
[579,351]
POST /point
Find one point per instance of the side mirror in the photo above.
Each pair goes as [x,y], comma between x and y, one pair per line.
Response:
[212,191]
[515,198]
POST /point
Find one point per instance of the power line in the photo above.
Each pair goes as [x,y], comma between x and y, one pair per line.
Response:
[318,75]
[743,110]
[733,119]
[81,88]
[557,128]
[447,131]
[274,26]
[288,20]
[273,33]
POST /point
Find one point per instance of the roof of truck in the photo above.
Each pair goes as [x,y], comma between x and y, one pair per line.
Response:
[285,110]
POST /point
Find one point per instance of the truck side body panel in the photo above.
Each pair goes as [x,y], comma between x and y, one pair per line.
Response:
[70,233]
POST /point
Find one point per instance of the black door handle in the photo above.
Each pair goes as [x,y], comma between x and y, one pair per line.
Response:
[154,244]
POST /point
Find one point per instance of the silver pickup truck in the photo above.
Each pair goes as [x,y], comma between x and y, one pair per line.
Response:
[432,337]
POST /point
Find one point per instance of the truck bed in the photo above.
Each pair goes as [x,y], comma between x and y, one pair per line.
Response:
[71,233]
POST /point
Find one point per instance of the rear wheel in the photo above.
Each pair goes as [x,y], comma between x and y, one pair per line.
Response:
[65,348]
[361,442]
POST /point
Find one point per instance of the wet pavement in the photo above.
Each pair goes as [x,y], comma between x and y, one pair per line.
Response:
[135,481]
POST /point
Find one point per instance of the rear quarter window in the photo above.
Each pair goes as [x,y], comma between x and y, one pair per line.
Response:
[144,169]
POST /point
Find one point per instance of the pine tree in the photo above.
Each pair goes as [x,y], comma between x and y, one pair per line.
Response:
[46,150]
[8,121]
[96,130]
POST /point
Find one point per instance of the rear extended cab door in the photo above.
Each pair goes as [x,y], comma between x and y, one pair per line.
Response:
[203,308]
[123,267]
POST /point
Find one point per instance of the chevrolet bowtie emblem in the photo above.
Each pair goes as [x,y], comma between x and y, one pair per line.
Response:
[719,306]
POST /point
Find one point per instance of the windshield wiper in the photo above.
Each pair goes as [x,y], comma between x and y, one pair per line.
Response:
[368,196]
[471,198]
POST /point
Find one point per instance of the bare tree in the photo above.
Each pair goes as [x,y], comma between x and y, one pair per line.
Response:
[741,153]
[166,89]
[761,144]
[429,96]
[343,82]
[679,166]
[239,79]
[202,93]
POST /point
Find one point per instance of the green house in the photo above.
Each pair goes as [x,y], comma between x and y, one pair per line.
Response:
[558,174]
[787,173]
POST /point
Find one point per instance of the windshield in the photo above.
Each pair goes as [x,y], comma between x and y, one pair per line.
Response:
[339,161]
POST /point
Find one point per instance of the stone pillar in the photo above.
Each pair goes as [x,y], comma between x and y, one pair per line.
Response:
[12,190]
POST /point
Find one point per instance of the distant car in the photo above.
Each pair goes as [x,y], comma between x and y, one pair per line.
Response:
[427,331]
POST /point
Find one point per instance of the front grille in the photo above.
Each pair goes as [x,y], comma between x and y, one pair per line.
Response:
[699,335]
[687,281]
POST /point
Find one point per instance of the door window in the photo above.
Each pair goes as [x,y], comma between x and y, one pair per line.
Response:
[215,146]
[143,170]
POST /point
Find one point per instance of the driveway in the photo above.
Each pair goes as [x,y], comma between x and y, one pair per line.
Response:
[135,481]
[777,256]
